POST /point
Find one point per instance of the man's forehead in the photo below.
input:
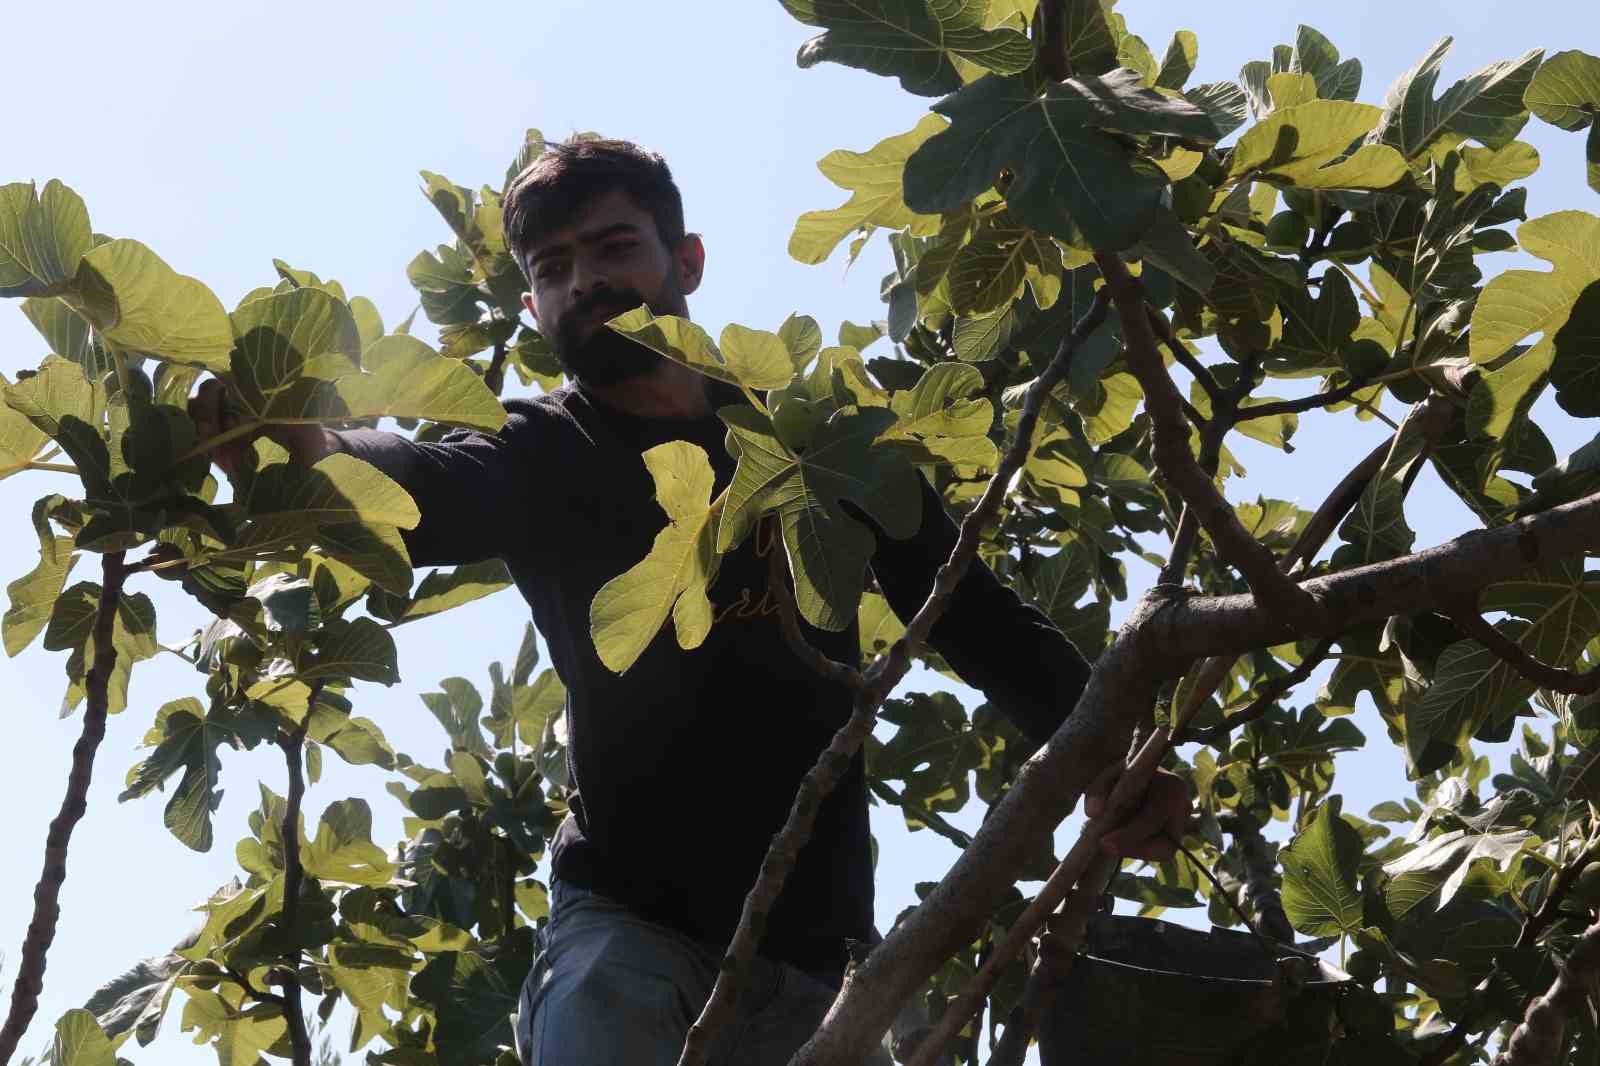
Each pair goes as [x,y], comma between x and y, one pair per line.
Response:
[598,218]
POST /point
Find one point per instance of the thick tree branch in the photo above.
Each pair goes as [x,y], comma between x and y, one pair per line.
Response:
[1434,579]
[877,682]
[1177,463]
[1539,1040]
[1159,640]
[47,892]
[1571,682]
[293,876]
[1188,531]
[1261,889]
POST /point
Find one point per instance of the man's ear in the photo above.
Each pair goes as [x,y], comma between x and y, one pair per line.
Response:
[689,260]
[527,301]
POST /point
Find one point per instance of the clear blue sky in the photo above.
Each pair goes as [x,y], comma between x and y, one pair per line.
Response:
[224,135]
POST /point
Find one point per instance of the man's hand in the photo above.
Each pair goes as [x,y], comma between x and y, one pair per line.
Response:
[208,408]
[1153,830]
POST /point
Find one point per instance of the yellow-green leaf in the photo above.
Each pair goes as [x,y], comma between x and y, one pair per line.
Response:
[405,378]
[751,358]
[1305,145]
[138,302]
[873,179]
[42,238]
[630,609]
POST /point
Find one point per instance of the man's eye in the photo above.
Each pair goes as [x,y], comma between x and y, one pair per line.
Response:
[550,270]
[619,248]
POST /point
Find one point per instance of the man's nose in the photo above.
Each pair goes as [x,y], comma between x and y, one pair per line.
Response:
[587,280]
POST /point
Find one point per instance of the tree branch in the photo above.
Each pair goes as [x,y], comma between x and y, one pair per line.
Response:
[1177,463]
[1549,911]
[1265,700]
[1304,404]
[1538,1041]
[1188,531]
[1086,866]
[1160,638]
[877,682]
[930,818]
[293,876]
[1571,682]
[1259,867]
[1434,579]
[1186,358]
[1058,951]
[47,892]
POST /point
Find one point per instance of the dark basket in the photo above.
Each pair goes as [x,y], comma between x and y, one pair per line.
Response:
[1150,993]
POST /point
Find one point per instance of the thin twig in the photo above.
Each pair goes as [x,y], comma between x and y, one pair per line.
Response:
[1325,398]
[1267,699]
[1177,463]
[47,892]
[293,875]
[928,817]
[251,990]
[878,681]
[1570,682]
[1184,356]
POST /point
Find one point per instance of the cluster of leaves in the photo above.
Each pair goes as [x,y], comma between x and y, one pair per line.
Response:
[303,574]
[1331,241]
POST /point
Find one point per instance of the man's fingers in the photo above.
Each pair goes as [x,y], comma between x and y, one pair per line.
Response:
[1149,820]
[1094,797]
[205,407]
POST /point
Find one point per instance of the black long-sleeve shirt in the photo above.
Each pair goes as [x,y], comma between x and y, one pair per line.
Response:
[685,765]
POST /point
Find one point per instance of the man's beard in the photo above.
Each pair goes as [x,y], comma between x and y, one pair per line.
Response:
[606,357]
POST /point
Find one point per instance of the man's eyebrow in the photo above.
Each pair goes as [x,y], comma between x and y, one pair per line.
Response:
[592,237]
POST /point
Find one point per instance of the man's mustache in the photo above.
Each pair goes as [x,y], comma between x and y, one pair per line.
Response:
[605,300]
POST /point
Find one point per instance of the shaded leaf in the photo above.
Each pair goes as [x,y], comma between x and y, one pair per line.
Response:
[1320,894]
[913,40]
[1060,159]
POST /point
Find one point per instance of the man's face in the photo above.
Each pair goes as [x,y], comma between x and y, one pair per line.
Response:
[610,260]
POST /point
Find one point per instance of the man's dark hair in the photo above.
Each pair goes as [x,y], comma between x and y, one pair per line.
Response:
[549,191]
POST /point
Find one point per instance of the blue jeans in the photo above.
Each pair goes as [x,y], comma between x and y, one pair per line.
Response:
[610,987]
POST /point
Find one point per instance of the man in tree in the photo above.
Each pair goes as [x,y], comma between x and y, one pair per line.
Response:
[723,733]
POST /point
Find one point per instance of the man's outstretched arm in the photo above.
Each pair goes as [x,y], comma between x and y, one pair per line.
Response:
[471,488]
[998,644]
